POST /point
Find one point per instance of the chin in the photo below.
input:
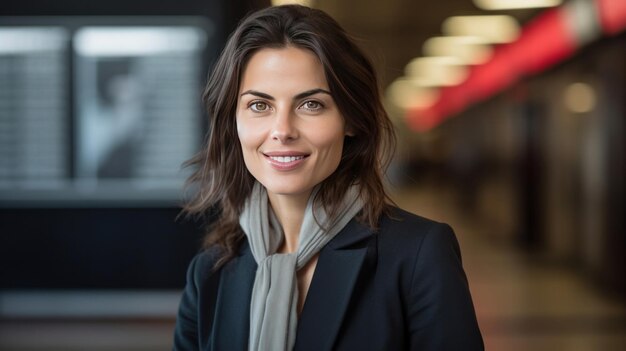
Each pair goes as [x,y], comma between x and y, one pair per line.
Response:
[280,188]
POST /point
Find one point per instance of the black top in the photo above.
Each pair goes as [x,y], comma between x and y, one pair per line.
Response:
[400,288]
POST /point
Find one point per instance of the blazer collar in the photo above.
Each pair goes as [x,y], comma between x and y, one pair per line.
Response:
[331,288]
[353,233]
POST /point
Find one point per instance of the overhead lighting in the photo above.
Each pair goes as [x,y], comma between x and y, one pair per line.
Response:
[492,29]
[436,71]
[291,2]
[468,50]
[579,98]
[514,4]
[407,95]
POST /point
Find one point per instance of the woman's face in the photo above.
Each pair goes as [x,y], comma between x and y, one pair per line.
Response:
[290,129]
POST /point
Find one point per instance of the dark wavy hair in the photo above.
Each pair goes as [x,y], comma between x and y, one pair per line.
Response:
[222,179]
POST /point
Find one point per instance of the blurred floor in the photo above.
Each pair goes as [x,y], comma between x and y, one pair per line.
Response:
[523,302]
[86,335]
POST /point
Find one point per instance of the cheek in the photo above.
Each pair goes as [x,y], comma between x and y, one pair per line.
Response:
[329,137]
[248,135]
[246,141]
[333,147]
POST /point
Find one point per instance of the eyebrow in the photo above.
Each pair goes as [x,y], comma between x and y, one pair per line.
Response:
[302,95]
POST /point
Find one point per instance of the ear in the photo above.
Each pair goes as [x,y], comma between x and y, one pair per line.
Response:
[349,132]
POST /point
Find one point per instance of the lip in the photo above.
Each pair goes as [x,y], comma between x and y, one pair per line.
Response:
[285,166]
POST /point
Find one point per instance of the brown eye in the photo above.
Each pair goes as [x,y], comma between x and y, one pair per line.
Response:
[258,106]
[312,105]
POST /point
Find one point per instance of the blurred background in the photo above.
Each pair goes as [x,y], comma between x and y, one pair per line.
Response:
[510,117]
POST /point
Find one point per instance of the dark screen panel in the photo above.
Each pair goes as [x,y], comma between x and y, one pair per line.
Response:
[79,248]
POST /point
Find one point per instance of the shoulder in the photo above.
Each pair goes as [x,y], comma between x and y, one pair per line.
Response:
[425,255]
[403,230]
[427,251]
[197,300]
[202,265]
[398,219]
[207,257]
[421,248]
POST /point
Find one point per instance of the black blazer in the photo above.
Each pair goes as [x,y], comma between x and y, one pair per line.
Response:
[401,288]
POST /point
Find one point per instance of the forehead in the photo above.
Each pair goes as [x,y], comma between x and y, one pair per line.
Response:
[288,68]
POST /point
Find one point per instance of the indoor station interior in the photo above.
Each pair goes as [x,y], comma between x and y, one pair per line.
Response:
[511,124]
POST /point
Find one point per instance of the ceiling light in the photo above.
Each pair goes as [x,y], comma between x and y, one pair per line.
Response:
[514,4]
[436,71]
[579,98]
[492,29]
[406,95]
[468,50]
[289,2]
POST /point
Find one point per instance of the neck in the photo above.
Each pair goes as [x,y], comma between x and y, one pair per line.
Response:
[289,210]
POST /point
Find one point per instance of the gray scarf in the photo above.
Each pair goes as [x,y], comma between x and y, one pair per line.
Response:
[273,309]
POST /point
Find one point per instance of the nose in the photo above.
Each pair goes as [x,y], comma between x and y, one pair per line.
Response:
[283,128]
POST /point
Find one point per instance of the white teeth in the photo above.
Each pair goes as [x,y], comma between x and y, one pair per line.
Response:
[286,159]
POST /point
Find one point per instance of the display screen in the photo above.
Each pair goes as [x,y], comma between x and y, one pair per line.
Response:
[99,114]
[34,109]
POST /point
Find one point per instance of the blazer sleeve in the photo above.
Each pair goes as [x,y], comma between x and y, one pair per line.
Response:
[441,314]
[186,330]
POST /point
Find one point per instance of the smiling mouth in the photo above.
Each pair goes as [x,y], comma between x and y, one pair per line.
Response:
[285,159]
[286,162]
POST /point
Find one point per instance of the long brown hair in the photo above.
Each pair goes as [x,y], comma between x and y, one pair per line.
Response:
[222,179]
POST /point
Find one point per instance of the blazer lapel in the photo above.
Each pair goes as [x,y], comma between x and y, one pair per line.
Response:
[232,314]
[331,288]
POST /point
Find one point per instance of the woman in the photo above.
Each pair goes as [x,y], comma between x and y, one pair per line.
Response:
[306,253]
